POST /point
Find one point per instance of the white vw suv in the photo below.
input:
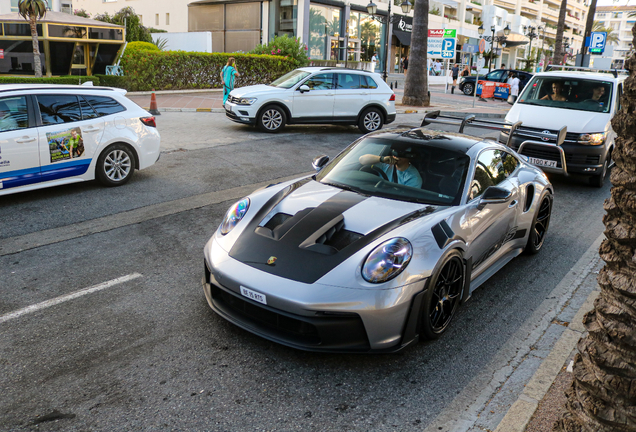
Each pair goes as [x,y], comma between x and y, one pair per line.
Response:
[315,95]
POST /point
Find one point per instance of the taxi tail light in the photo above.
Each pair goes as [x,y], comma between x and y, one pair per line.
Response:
[392,98]
[149,121]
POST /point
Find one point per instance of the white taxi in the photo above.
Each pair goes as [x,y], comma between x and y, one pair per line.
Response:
[53,135]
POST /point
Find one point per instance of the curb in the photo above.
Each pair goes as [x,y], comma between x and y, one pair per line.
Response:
[169,92]
[518,416]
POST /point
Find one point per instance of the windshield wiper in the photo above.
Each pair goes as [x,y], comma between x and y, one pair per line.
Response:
[345,187]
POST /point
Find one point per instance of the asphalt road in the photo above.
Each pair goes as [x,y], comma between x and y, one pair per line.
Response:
[147,353]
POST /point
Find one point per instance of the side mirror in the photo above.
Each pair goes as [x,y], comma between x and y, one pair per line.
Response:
[304,88]
[494,195]
[319,162]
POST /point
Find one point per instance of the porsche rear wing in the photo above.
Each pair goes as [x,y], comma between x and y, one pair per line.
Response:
[498,125]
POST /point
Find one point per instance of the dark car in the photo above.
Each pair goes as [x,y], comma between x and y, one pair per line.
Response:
[467,84]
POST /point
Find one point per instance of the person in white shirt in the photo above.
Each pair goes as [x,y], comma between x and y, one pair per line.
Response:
[514,86]
[374,60]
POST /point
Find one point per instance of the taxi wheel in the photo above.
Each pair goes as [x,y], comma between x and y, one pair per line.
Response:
[115,166]
[272,119]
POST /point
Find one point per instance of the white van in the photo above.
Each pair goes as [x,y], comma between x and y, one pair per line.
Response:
[581,99]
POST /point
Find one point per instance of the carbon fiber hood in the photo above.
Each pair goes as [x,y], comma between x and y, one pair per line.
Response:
[308,228]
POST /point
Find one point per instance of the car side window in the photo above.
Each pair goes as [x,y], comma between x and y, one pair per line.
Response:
[489,171]
[321,82]
[370,84]
[510,163]
[87,110]
[619,94]
[494,75]
[13,113]
[348,81]
[56,109]
[104,105]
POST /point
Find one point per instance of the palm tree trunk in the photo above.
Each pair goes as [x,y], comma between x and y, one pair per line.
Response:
[37,63]
[558,42]
[603,394]
[588,28]
[416,84]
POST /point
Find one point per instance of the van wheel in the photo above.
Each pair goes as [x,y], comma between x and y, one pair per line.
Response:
[599,180]
[115,166]
[371,120]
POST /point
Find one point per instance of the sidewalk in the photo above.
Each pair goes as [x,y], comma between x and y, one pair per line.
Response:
[212,101]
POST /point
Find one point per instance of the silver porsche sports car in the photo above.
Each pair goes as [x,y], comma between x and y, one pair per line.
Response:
[382,245]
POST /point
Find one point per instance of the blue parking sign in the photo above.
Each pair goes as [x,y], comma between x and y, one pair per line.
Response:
[448,48]
[597,42]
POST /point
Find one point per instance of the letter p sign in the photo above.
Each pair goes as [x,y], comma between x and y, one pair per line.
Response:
[598,40]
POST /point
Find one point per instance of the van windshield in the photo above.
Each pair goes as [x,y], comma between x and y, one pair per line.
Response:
[568,93]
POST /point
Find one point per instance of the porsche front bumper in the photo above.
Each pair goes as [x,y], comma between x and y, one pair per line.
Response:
[312,317]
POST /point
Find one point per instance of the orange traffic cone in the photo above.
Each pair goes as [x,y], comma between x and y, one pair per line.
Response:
[153,104]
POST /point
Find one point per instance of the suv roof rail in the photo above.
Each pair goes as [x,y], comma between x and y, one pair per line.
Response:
[344,68]
[614,71]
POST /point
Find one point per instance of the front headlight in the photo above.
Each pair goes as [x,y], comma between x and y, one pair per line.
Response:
[387,260]
[246,101]
[234,215]
[593,139]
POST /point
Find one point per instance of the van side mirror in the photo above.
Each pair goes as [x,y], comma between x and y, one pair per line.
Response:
[304,88]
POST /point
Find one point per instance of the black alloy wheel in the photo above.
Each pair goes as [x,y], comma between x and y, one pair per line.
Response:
[540,225]
[468,89]
[371,120]
[272,119]
[115,166]
[443,296]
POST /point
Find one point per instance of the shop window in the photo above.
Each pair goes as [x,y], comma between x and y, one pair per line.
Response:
[18,57]
[283,18]
[105,33]
[20,29]
[324,24]
[61,57]
[106,54]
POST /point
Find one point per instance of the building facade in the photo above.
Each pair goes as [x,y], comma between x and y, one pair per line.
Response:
[339,29]
[620,19]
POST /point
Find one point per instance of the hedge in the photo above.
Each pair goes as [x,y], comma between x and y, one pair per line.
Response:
[73,80]
[113,81]
[177,70]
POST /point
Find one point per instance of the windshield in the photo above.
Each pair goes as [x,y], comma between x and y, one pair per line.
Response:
[290,79]
[568,93]
[408,171]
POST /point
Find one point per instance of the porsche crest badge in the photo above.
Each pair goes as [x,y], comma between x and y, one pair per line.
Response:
[271,260]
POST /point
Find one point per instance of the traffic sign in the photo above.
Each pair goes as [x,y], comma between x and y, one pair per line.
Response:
[597,42]
[482,45]
[448,48]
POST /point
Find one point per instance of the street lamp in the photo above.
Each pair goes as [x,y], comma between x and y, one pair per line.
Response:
[372,9]
[530,33]
[492,39]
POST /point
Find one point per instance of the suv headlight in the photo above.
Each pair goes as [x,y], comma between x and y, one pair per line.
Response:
[246,101]
[234,215]
[593,139]
[387,260]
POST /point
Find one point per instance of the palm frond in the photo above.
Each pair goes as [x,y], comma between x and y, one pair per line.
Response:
[29,8]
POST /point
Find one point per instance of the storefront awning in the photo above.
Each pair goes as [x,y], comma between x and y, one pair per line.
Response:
[403,37]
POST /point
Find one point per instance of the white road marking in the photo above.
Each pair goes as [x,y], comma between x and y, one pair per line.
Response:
[67,297]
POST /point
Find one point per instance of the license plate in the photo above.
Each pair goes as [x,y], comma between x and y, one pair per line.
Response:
[228,107]
[253,295]
[542,162]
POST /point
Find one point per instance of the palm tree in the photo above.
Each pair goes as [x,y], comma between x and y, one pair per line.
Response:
[416,84]
[34,10]
[558,45]
[602,397]
[611,35]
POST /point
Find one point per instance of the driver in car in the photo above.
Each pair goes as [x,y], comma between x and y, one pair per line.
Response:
[397,168]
